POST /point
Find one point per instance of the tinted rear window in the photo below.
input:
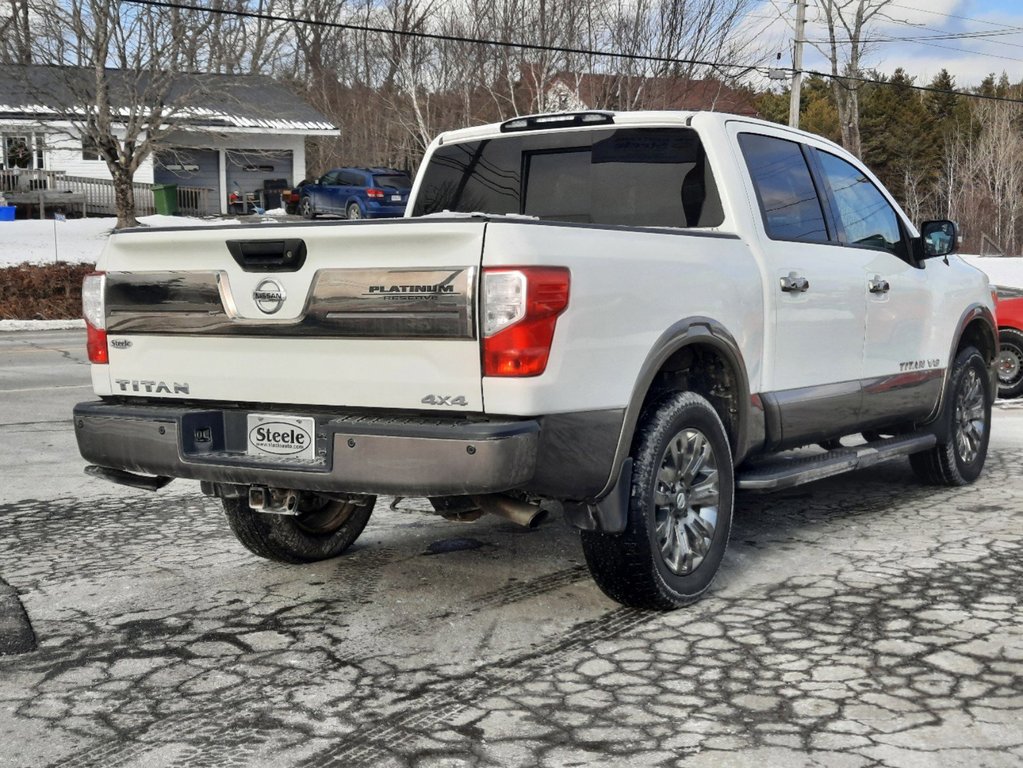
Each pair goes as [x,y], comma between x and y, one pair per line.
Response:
[646,177]
[396,180]
[785,190]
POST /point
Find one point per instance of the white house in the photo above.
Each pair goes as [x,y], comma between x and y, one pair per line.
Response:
[233,133]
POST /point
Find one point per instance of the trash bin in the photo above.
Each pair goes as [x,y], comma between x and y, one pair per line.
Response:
[7,212]
[165,198]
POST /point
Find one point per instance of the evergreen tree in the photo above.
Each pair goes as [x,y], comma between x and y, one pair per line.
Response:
[902,141]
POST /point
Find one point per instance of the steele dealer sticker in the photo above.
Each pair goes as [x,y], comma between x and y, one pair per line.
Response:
[273,435]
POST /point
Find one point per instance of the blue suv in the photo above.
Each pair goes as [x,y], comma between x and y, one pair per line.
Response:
[357,193]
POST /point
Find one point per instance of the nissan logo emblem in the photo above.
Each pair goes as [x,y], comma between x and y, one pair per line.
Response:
[269,296]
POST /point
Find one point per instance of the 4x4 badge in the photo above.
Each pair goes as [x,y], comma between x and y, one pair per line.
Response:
[269,296]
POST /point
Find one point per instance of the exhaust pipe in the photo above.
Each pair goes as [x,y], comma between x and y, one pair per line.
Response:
[273,501]
[519,512]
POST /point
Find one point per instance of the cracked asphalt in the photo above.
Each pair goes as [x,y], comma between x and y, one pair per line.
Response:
[864,620]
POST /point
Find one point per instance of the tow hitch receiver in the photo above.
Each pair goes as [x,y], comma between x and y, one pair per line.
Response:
[273,501]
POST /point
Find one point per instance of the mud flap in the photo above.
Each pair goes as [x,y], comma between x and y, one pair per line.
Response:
[608,514]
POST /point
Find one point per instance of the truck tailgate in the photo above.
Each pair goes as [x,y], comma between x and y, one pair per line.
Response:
[379,314]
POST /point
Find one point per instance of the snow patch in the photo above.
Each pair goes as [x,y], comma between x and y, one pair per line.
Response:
[75,241]
[40,325]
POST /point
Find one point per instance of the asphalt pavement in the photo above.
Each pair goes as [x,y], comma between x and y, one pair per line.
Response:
[865,620]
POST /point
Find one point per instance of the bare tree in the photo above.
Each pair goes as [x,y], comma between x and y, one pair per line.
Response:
[996,157]
[15,33]
[121,82]
[847,21]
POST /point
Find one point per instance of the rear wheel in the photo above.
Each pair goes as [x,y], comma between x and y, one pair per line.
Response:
[306,208]
[323,528]
[960,459]
[1010,362]
[680,511]
[353,211]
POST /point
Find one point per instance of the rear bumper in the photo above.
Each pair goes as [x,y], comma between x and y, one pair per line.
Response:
[358,452]
[375,211]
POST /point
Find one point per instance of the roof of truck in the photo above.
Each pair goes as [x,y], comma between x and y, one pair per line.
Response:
[588,119]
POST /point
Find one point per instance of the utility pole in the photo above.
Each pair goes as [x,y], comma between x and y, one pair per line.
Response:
[797,63]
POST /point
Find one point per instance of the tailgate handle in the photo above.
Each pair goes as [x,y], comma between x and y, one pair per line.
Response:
[268,255]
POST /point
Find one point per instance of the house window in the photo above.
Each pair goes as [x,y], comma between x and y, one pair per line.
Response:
[21,151]
[89,149]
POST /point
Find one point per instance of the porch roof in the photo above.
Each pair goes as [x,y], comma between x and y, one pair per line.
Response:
[202,101]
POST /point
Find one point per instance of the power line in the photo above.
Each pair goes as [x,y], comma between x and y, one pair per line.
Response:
[918,42]
[947,15]
[443,38]
[983,36]
[717,65]
[946,36]
[914,25]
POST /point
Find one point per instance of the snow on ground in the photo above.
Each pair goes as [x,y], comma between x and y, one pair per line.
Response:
[81,240]
[1001,270]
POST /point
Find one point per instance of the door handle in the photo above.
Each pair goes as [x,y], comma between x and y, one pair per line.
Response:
[878,284]
[794,283]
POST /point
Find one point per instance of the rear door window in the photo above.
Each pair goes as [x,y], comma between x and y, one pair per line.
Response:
[784,187]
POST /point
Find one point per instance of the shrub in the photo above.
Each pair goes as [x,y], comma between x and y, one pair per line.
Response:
[42,291]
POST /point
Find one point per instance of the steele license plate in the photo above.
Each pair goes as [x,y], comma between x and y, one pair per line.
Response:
[395,198]
[272,435]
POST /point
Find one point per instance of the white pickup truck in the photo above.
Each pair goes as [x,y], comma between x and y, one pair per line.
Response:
[628,314]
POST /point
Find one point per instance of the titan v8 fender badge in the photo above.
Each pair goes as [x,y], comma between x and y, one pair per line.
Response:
[269,296]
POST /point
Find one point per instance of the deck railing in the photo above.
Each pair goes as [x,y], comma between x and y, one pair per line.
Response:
[100,198]
[99,193]
[193,201]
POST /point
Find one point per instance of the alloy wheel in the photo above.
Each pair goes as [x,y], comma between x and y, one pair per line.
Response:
[687,494]
[970,423]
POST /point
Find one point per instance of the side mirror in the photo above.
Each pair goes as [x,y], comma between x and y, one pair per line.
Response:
[938,238]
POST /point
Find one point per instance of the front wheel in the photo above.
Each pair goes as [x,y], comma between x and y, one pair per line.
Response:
[323,528]
[1010,362]
[960,458]
[680,510]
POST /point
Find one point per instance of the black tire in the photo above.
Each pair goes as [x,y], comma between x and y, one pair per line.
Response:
[324,529]
[1010,362]
[353,211]
[633,567]
[306,208]
[967,422]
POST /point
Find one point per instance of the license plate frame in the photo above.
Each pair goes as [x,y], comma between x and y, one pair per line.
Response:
[280,437]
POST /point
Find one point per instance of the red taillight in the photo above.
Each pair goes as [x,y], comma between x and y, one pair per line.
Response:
[96,343]
[521,308]
[376,194]
[94,312]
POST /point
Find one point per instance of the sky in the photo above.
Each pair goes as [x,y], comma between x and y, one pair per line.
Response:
[995,44]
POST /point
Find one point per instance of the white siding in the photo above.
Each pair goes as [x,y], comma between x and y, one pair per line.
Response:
[64,153]
[64,148]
